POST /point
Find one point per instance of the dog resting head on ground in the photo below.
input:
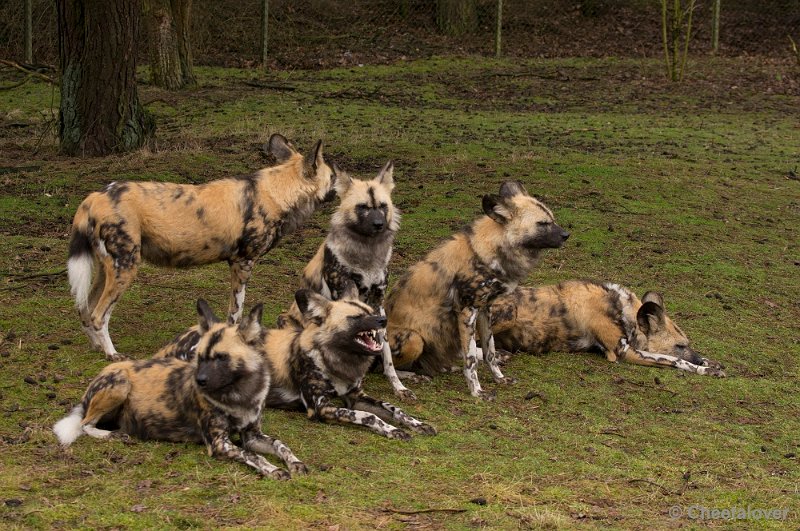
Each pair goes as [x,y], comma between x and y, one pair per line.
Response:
[180,225]
[324,361]
[579,315]
[435,308]
[220,391]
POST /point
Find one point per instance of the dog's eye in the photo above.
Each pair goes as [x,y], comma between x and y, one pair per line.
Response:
[543,223]
[362,208]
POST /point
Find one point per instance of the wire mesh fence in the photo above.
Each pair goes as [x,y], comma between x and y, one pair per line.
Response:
[323,33]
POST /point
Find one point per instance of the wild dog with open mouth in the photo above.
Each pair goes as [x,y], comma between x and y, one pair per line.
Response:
[181,225]
[357,249]
[325,360]
[580,315]
[219,392]
[435,308]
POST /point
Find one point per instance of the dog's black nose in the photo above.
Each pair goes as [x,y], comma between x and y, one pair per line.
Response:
[382,322]
[564,235]
[378,224]
[201,380]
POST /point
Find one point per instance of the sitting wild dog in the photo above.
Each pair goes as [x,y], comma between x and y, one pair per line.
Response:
[236,220]
[579,316]
[357,249]
[435,308]
[325,360]
[220,392]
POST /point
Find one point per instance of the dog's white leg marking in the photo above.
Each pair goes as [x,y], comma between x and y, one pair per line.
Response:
[488,348]
[389,371]
[79,271]
[104,338]
[240,274]
[97,433]
[261,443]
[381,409]
[471,357]
[678,363]
[239,298]
[226,448]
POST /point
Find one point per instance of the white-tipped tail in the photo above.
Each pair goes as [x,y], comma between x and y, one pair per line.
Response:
[69,428]
[79,271]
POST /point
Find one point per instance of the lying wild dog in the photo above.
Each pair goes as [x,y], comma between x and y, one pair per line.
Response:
[580,315]
[236,220]
[435,308]
[220,392]
[325,360]
[357,249]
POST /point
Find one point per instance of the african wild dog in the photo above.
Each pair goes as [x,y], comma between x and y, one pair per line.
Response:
[435,308]
[357,249]
[221,391]
[181,225]
[580,315]
[325,360]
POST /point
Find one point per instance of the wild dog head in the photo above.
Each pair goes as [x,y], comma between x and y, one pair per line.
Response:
[528,227]
[366,207]
[315,170]
[230,359]
[658,334]
[346,326]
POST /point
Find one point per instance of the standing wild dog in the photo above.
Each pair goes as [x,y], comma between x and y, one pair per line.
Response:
[357,249]
[219,392]
[325,360]
[181,225]
[580,315]
[435,308]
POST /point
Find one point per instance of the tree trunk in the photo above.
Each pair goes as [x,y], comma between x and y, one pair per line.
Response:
[169,30]
[264,32]
[100,111]
[456,17]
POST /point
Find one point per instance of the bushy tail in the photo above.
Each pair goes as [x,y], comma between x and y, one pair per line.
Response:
[81,262]
[69,428]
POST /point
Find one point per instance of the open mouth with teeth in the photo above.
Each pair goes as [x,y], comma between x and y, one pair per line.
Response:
[370,340]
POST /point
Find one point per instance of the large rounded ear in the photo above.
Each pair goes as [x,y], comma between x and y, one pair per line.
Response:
[314,159]
[653,296]
[511,188]
[312,305]
[343,182]
[279,147]
[250,327]
[495,208]
[386,176]
[350,291]
[207,317]
[650,317]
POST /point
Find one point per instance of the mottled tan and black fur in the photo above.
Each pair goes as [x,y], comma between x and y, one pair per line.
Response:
[435,308]
[579,315]
[219,392]
[326,360]
[357,249]
[235,220]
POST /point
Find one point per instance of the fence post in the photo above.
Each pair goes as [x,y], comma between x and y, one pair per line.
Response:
[499,30]
[715,27]
[264,31]
[29,31]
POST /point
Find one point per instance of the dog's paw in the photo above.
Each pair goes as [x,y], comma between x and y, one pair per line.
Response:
[424,429]
[405,395]
[122,437]
[713,371]
[506,380]
[398,434]
[712,364]
[487,396]
[279,474]
[116,356]
[502,356]
[298,468]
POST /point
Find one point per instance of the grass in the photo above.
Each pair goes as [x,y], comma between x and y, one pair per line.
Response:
[678,188]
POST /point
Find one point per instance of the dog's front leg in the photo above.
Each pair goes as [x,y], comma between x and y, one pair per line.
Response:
[389,371]
[325,411]
[642,357]
[220,446]
[240,274]
[489,351]
[469,351]
[255,440]
[385,411]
